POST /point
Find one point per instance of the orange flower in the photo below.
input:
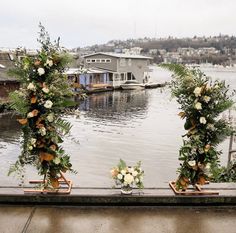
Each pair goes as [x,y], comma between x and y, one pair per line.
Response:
[46,156]
[35,112]
[37,63]
[201,180]
[114,172]
[33,100]
[22,121]
[53,147]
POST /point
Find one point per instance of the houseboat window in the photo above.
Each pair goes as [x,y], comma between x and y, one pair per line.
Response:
[91,78]
[108,60]
[122,77]
[129,76]
[88,60]
[98,60]
[103,60]
[93,60]
[110,77]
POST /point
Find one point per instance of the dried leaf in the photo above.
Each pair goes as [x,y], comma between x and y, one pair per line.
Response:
[22,121]
[35,112]
[44,156]
[182,115]
[33,100]
[55,183]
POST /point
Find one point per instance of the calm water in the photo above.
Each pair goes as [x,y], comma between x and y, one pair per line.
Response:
[132,125]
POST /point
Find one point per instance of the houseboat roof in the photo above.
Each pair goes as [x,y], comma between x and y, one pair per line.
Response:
[120,55]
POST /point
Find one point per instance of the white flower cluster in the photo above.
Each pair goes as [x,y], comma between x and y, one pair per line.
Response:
[48,104]
[32,143]
[128,176]
[198,105]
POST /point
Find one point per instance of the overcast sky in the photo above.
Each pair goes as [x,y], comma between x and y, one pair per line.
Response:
[86,22]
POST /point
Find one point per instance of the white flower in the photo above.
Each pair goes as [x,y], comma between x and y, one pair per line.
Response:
[208,166]
[211,127]
[203,120]
[30,148]
[42,131]
[33,141]
[136,180]
[206,98]
[216,86]
[134,173]
[119,176]
[31,87]
[130,169]
[49,62]
[30,114]
[48,104]
[129,179]
[123,172]
[56,160]
[197,91]
[198,106]
[50,117]
[41,71]
[192,163]
[45,90]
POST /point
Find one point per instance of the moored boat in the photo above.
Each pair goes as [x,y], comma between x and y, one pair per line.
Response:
[132,85]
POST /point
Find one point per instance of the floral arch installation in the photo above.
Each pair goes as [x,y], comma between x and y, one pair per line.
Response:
[201,102]
[41,102]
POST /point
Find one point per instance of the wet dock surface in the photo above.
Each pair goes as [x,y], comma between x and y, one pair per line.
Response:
[105,210]
[64,219]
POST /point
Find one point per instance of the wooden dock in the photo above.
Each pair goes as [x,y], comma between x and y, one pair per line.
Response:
[160,196]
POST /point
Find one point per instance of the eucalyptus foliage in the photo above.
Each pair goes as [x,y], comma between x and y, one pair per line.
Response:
[40,101]
[201,102]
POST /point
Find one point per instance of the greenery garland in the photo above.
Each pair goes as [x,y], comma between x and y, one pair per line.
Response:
[41,101]
[201,102]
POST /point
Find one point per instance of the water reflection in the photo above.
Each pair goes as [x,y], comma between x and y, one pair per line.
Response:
[117,105]
[9,128]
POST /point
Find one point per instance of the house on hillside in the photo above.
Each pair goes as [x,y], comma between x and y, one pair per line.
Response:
[119,67]
[7,83]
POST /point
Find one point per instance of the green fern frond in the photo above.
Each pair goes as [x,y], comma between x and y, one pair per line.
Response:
[18,103]
[178,69]
[63,126]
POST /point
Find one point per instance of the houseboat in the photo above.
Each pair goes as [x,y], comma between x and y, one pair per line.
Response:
[119,68]
[88,80]
[7,83]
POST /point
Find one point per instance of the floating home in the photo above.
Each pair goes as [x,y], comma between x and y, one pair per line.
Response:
[7,83]
[90,80]
[119,67]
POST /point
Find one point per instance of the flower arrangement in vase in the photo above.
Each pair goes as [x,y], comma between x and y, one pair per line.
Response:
[201,102]
[127,176]
[41,101]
